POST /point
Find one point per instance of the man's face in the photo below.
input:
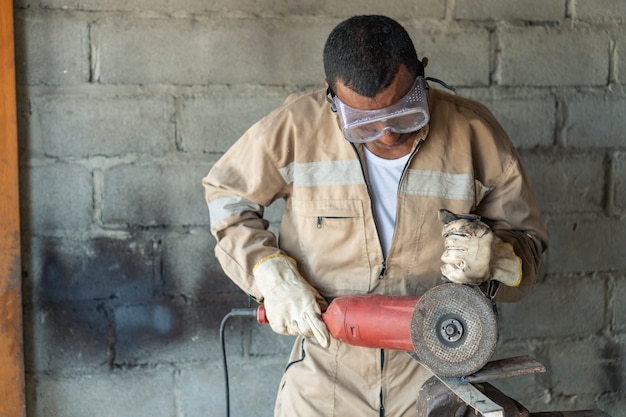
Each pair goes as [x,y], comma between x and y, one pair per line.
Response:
[391,145]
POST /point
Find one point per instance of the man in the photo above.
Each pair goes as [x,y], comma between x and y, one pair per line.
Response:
[364,167]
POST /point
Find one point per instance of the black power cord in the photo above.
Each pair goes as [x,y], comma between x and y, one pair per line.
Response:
[235,312]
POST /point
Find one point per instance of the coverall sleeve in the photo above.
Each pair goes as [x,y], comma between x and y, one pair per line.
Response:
[504,198]
[237,189]
[513,213]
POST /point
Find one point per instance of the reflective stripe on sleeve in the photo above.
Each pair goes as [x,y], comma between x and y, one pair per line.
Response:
[229,206]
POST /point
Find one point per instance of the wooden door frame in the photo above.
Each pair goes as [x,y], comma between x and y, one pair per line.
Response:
[12,397]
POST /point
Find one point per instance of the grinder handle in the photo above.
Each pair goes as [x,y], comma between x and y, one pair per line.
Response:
[261,316]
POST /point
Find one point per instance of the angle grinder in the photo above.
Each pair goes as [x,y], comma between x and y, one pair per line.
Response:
[451,328]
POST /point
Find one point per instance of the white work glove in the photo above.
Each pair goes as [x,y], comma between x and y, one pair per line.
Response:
[292,305]
[473,254]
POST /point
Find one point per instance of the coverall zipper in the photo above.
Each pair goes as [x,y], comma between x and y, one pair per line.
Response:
[367,186]
[383,268]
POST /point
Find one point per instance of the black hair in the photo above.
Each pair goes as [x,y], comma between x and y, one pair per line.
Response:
[365,54]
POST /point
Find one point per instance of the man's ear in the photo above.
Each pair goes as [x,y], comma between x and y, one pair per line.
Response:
[325,82]
[424,62]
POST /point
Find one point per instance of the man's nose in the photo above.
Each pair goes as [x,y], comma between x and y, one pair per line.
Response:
[390,137]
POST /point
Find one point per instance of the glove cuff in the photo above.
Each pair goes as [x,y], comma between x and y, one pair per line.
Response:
[507,266]
[274,270]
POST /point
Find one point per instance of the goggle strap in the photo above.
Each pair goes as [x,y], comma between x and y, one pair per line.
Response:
[330,95]
[442,83]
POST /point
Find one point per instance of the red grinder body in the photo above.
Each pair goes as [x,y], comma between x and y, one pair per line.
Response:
[369,320]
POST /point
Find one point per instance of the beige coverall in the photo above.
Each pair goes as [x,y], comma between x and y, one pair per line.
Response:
[462,161]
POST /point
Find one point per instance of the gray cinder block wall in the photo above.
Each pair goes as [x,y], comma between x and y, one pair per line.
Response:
[124,106]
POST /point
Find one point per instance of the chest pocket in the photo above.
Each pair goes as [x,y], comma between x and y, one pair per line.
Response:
[333,245]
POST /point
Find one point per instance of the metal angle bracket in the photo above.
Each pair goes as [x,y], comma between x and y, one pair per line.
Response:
[504,368]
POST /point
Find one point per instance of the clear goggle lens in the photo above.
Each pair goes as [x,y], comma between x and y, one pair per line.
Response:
[409,114]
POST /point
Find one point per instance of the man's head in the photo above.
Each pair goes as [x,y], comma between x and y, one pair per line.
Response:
[365,54]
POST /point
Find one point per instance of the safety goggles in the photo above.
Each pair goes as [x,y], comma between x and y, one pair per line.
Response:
[408,114]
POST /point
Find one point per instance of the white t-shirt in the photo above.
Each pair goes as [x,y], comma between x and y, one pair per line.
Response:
[384,178]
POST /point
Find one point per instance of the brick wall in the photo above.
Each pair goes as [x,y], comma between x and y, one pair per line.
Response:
[124,106]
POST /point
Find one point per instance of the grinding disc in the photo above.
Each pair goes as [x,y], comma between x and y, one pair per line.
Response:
[454,330]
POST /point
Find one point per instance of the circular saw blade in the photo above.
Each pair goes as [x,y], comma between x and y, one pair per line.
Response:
[454,330]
